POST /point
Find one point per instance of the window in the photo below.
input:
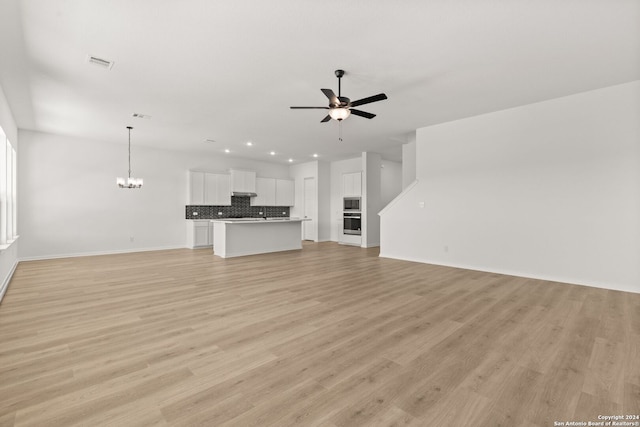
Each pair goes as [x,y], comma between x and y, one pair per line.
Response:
[8,189]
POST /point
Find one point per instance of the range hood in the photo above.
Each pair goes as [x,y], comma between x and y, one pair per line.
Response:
[243,194]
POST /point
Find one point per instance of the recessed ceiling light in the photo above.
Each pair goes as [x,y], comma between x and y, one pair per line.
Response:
[290,160]
[226,150]
[249,144]
[273,153]
[315,155]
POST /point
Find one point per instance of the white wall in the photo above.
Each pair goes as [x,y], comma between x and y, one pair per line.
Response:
[549,190]
[409,161]
[338,168]
[298,173]
[9,256]
[371,199]
[391,181]
[324,201]
[70,205]
[320,172]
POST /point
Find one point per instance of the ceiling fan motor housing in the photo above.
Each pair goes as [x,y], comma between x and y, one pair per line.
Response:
[344,101]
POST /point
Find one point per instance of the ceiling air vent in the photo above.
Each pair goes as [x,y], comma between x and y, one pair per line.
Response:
[140,116]
[104,63]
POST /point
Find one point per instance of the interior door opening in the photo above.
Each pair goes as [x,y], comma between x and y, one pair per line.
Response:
[310,227]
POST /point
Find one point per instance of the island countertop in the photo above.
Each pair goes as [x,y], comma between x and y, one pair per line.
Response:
[257,220]
[234,237]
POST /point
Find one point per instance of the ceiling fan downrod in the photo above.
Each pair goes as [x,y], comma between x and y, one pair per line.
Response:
[339,74]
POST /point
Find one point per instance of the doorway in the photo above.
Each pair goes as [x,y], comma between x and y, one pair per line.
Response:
[310,227]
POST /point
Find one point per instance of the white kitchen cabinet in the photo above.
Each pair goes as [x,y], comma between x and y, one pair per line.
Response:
[285,192]
[266,192]
[196,188]
[274,192]
[217,189]
[223,195]
[352,184]
[243,181]
[350,239]
[209,189]
[199,234]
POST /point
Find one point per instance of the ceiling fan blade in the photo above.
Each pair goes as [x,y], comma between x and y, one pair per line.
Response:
[333,99]
[309,108]
[362,113]
[326,119]
[370,99]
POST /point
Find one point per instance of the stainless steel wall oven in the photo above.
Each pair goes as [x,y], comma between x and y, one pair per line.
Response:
[352,223]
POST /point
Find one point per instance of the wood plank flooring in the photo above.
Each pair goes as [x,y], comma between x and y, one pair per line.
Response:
[327,336]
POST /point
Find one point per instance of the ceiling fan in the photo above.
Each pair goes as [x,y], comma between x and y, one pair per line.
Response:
[340,107]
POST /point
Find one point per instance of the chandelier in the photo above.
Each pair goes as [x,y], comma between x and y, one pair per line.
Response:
[129,182]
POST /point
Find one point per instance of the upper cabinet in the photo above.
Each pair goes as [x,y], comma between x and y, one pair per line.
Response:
[243,181]
[352,184]
[285,192]
[196,188]
[266,192]
[274,192]
[217,189]
[209,189]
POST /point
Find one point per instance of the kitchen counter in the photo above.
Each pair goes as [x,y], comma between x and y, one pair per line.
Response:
[256,220]
[234,237]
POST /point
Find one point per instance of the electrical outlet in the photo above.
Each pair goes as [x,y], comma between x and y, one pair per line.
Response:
[195,214]
[219,213]
[260,213]
[284,213]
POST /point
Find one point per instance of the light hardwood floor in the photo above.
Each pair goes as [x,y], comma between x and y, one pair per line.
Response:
[327,336]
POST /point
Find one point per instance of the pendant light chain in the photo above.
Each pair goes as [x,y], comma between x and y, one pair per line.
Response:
[129,127]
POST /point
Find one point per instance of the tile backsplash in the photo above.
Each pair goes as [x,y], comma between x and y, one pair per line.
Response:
[240,208]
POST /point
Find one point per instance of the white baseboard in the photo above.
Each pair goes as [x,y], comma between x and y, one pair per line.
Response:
[97,253]
[526,275]
[5,282]
[372,245]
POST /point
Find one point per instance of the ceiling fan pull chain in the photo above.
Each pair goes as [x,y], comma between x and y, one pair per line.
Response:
[340,131]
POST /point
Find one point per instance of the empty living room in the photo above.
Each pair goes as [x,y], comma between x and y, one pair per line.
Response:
[330,214]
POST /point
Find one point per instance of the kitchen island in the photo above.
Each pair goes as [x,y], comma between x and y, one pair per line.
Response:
[250,236]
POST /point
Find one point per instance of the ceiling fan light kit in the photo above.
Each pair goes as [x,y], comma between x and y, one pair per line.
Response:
[339,114]
[340,107]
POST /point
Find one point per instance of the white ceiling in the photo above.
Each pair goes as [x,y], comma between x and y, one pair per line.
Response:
[229,70]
